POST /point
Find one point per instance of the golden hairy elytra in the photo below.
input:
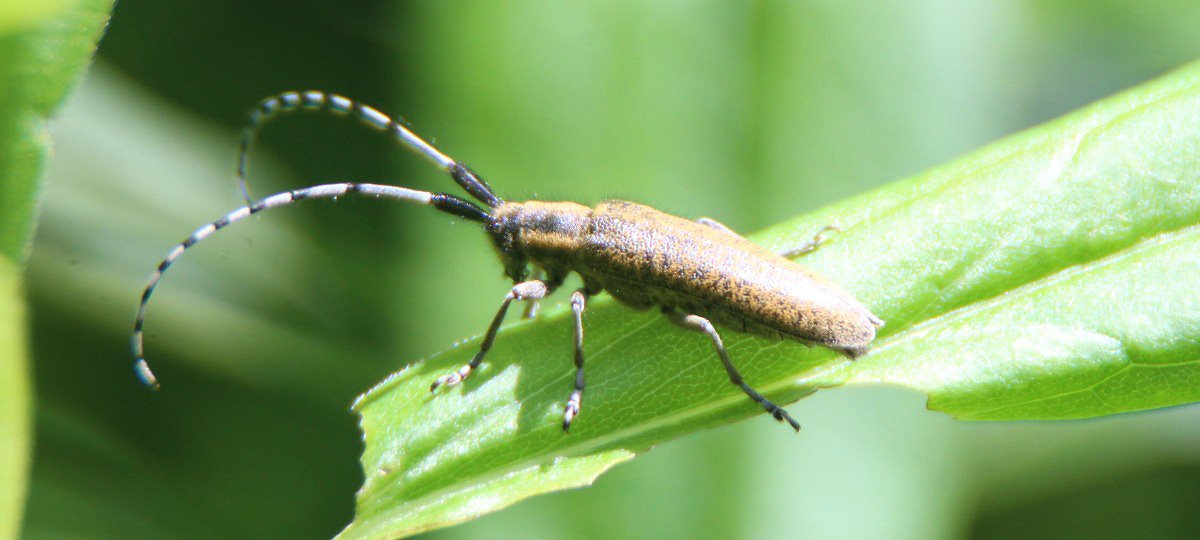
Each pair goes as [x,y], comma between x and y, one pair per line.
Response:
[696,272]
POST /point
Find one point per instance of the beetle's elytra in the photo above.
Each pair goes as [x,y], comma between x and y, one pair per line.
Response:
[696,272]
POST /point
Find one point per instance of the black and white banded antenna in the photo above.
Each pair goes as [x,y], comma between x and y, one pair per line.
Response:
[317,100]
[312,99]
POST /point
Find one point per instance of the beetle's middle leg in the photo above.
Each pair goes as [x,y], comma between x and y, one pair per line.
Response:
[700,324]
[526,290]
[578,304]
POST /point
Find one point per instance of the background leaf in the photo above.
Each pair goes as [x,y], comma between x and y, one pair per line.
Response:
[15,439]
[44,47]
[749,113]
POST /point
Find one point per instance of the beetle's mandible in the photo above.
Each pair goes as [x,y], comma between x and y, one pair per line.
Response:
[696,272]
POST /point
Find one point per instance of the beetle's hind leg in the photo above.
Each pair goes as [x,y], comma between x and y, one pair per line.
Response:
[526,290]
[714,224]
[802,249]
[700,324]
[811,245]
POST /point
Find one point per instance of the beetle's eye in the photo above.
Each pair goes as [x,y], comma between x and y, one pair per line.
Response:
[520,273]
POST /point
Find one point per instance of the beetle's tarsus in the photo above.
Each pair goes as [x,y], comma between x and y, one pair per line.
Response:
[570,411]
[780,414]
[454,378]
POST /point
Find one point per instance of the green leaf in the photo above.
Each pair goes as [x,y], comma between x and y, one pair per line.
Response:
[23,14]
[14,402]
[42,56]
[44,47]
[1050,275]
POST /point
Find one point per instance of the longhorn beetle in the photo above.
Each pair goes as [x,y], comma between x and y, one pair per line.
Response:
[696,272]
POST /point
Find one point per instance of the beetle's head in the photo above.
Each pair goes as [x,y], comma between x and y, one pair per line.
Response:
[505,232]
[546,234]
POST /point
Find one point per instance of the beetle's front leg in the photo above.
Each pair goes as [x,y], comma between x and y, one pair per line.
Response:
[527,290]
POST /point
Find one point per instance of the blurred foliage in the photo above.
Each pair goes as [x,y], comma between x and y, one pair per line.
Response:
[15,411]
[44,48]
[749,113]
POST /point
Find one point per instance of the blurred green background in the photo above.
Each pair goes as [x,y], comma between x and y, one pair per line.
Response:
[746,112]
